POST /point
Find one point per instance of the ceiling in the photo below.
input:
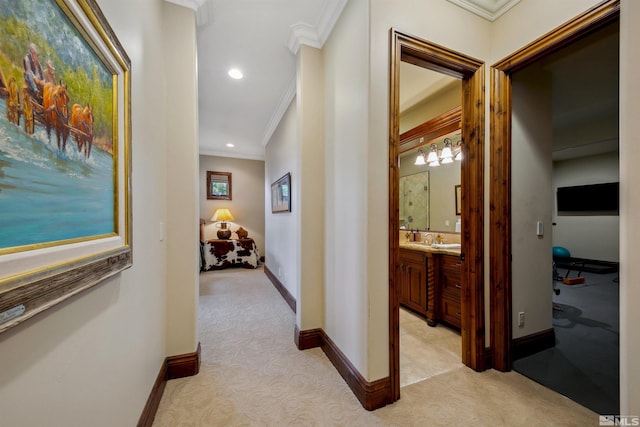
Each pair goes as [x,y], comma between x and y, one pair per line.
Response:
[261,38]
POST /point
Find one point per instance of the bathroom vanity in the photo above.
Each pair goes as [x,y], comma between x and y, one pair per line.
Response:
[430,282]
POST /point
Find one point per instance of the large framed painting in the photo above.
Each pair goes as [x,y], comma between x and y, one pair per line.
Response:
[65,159]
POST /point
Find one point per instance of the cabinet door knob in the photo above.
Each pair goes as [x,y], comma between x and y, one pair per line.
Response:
[458,285]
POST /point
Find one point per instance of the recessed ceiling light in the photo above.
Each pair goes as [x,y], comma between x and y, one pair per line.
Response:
[234,73]
[230,145]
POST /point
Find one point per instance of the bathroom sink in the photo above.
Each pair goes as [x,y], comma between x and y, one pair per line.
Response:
[446,245]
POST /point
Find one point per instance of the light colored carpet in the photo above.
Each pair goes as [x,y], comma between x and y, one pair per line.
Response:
[253,375]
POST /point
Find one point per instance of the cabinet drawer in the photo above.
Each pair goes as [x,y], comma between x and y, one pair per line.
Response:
[408,256]
[451,284]
[451,263]
[451,312]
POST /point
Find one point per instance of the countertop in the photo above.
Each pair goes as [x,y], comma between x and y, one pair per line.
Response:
[430,249]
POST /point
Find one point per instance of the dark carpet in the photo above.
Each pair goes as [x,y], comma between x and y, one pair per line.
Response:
[584,364]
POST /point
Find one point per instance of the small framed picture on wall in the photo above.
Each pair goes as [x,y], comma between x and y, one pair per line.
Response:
[281,195]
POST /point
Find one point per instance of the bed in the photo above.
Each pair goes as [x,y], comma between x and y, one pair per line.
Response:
[218,254]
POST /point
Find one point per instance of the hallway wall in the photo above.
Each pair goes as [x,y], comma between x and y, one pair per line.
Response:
[281,232]
[91,361]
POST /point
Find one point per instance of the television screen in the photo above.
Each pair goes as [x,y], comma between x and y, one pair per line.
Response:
[594,199]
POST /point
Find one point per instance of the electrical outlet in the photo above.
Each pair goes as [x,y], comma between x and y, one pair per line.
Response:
[521,319]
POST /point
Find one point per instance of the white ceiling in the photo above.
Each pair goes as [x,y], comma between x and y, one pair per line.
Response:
[261,37]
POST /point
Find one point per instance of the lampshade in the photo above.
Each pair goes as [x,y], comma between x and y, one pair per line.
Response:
[446,151]
[446,160]
[433,154]
[420,158]
[222,215]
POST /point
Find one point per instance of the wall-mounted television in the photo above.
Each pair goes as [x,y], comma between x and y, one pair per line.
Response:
[593,199]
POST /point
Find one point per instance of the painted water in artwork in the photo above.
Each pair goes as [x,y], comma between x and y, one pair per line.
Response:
[57,167]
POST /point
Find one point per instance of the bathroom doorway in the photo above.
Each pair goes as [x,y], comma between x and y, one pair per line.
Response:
[430,105]
[470,72]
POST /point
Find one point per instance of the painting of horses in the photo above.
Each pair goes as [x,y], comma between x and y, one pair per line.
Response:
[58,156]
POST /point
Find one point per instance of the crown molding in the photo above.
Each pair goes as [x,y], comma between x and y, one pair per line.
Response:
[303,34]
[487,9]
[316,35]
[279,112]
[204,151]
[191,4]
[202,8]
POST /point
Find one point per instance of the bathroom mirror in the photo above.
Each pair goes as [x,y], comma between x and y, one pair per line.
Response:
[428,193]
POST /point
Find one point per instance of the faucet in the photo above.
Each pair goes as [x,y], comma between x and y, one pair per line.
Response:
[427,237]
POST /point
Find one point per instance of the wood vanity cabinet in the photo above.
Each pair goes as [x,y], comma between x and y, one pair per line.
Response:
[450,284]
[413,280]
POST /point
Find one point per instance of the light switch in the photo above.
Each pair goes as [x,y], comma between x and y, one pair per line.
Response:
[539,229]
[162,231]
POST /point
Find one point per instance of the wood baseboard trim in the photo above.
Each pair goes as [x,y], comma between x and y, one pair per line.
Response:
[532,344]
[153,401]
[281,288]
[372,395]
[311,338]
[183,365]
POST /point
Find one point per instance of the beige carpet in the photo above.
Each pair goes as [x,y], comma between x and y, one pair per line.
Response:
[253,375]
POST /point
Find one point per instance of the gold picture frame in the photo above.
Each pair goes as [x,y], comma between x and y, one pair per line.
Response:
[38,274]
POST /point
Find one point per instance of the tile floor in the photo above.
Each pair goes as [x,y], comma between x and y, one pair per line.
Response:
[426,351]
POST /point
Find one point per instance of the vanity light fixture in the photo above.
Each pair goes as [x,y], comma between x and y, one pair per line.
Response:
[420,159]
[433,154]
[458,156]
[446,156]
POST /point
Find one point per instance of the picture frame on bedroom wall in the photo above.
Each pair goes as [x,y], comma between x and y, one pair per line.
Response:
[281,194]
[65,150]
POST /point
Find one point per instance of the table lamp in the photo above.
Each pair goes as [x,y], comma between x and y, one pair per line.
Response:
[221,216]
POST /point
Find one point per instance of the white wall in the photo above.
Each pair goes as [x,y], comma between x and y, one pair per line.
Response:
[281,231]
[347,202]
[629,208]
[92,360]
[593,236]
[310,194]
[247,196]
[182,180]
[531,142]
